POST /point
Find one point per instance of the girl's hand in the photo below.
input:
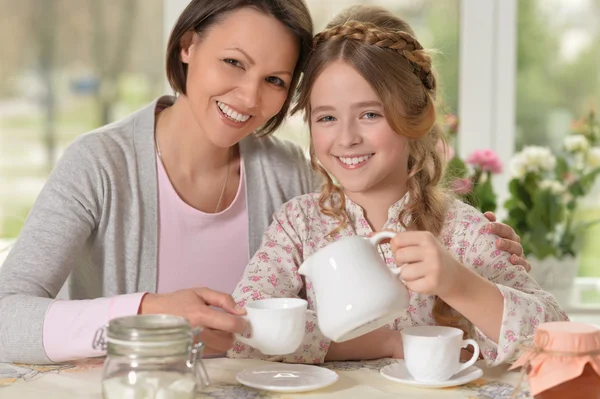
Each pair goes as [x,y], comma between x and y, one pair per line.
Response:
[427,267]
[509,241]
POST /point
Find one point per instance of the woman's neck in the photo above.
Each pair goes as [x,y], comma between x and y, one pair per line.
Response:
[180,138]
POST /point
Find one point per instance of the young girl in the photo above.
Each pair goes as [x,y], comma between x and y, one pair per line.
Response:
[368,94]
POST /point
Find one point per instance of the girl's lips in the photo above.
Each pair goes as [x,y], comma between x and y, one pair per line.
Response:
[355,165]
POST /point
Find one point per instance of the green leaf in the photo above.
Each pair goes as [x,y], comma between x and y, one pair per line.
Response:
[562,167]
[486,196]
[456,168]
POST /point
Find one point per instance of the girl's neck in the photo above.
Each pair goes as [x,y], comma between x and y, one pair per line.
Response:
[376,204]
[180,138]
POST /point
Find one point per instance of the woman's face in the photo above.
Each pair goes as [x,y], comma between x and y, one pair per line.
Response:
[239,73]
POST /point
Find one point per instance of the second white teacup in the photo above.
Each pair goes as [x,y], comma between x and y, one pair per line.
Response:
[432,353]
[277,325]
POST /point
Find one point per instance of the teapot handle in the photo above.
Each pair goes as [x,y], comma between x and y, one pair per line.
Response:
[376,239]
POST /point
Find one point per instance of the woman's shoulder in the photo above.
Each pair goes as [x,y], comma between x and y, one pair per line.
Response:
[117,141]
[280,160]
[275,151]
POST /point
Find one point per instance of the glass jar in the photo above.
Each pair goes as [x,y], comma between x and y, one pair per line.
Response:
[152,356]
[564,361]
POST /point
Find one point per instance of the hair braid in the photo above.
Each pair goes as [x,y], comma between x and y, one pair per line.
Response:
[402,42]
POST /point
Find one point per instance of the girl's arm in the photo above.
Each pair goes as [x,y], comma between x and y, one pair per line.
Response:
[273,273]
[502,300]
[377,344]
[480,301]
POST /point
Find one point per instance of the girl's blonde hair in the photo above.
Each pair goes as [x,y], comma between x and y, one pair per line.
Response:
[383,49]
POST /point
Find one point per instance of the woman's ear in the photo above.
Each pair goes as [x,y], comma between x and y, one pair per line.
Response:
[187,43]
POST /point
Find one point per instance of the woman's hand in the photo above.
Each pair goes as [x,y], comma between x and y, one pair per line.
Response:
[196,305]
[427,267]
[509,241]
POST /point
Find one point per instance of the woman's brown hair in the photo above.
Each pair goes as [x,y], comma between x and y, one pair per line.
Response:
[200,15]
[383,49]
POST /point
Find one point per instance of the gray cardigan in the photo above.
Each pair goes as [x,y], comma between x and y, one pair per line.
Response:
[95,222]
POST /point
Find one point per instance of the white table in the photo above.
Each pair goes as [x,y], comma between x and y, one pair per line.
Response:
[357,380]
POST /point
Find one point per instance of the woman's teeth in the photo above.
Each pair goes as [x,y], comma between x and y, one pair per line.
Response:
[231,114]
[354,160]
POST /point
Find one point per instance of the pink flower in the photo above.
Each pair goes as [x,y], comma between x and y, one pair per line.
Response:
[446,152]
[461,186]
[487,160]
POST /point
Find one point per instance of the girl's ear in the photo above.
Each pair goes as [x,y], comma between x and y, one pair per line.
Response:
[187,44]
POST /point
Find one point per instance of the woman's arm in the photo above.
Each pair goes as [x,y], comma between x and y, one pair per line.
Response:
[61,221]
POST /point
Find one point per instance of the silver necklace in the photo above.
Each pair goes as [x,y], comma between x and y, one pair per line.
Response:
[226,176]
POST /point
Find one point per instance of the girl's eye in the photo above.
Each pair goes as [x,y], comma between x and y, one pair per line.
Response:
[371,115]
[326,118]
[276,81]
[232,62]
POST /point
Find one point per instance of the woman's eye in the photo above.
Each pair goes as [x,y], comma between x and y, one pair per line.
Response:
[233,62]
[327,118]
[276,81]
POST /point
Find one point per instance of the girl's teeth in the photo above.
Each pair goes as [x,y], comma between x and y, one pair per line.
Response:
[354,160]
[231,114]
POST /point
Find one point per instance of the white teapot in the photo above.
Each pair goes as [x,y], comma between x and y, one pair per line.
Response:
[355,291]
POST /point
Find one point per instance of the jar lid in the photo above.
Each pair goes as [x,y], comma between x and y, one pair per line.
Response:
[559,353]
[149,328]
[568,337]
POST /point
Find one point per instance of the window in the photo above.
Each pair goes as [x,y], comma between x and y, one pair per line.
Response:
[68,67]
[558,83]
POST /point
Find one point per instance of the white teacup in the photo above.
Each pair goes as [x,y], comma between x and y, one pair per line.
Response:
[276,325]
[432,353]
[356,292]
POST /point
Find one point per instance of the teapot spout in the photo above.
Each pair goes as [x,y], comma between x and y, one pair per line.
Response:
[305,268]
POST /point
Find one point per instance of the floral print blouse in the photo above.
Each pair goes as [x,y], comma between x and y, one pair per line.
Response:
[299,229]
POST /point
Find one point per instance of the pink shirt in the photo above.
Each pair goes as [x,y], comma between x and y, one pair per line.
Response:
[191,252]
[208,260]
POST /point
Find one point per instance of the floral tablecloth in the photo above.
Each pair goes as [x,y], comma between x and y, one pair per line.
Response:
[82,379]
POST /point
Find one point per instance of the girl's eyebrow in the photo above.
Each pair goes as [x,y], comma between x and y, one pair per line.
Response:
[366,104]
[362,104]
[322,108]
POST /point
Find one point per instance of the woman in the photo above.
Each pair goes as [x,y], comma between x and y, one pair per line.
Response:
[139,213]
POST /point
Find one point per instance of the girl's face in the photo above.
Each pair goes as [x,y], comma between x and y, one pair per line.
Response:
[351,136]
[239,73]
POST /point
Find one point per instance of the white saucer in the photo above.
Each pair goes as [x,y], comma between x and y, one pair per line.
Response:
[398,372]
[281,377]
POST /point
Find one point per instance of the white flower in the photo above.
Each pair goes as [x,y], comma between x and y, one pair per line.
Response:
[576,143]
[593,158]
[517,166]
[554,186]
[532,159]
